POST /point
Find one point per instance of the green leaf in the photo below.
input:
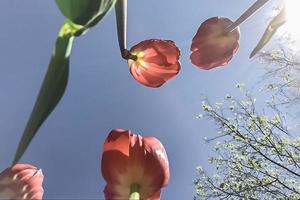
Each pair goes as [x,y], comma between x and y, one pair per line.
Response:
[85,12]
[53,86]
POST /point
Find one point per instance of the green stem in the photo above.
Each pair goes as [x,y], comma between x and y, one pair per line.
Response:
[121,17]
[134,192]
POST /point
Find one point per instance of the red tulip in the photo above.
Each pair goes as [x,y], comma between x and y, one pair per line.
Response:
[131,163]
[156,62]
[21,181]
[213,46]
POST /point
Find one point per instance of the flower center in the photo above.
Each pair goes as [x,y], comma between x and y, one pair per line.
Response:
[139,59]
[134,191]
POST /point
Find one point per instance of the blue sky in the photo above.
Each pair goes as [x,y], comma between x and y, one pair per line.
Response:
[102,95]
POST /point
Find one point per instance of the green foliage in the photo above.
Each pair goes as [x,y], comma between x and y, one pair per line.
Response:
[53,86]
[283,66]
[81,15]
[85,12]
[256,157]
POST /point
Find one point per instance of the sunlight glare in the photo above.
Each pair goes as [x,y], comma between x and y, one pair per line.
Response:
[293,16]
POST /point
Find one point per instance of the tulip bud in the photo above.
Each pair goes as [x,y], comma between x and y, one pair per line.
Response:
[85,12]
[21,181]
[213,46]
[155,62]
[133,167]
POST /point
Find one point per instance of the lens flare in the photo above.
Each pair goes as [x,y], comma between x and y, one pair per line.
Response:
[293,15]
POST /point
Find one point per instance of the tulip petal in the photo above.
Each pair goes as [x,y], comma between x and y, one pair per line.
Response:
[152,79]
[36,193]
[115,154]
[169,49]
[21,181]
[165,47]
[113,192]
[155,196]
[208,61]
[118,139]
[157,62]
[211,46]
[143,80]
[146,165]
[157,161]
[165,75]
[156,58]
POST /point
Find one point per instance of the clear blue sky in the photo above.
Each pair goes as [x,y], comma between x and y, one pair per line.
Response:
[102,95]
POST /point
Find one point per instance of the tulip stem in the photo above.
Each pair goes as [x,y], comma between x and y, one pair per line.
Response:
[248,13]
[134,192]
[121,17]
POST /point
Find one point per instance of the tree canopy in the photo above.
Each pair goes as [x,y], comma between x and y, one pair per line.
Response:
[255,155]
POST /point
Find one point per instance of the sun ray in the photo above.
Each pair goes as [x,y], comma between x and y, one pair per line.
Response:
[293,16]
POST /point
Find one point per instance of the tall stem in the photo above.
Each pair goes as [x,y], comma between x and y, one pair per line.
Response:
[134,192]
[248,13]
[121,17]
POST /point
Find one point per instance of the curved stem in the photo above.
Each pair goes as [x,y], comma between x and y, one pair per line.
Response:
[121,17]
[276,22]
[134,192]
[248,13]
